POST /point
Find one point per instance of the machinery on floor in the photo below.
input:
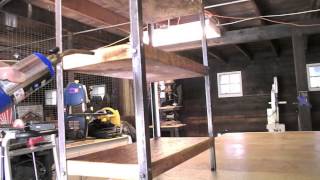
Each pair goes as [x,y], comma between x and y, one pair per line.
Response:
[81,122]
[26,150]
[274,124]
[75,102]
[30,146]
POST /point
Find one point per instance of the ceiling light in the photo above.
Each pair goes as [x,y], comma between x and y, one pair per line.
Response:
[188,32]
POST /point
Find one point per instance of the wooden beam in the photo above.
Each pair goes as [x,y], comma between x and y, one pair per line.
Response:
[254,34]
[274,48]
[217,55]
[299,54]
[89,13]
[315,4]
[245,52]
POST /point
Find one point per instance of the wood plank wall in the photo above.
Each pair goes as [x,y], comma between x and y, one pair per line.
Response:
[248,113]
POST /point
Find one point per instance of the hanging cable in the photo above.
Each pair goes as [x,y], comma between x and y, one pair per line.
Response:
[266,18]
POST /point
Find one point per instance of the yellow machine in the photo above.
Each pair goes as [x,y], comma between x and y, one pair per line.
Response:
[113,118]
[106,125]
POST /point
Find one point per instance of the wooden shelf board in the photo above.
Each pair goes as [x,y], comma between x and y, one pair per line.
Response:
[116,62]
[166,153]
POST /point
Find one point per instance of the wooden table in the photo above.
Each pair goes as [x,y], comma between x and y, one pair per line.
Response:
[173,129]
[83,147]
[121,162]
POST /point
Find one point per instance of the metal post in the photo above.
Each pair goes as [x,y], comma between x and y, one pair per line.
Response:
[6,159]
[207,90]
[55,155]
[140,90]
[35,165]
[154,96]
[157,112]
[60,100]
[1,162]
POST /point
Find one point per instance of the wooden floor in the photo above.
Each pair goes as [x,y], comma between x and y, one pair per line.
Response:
[256,156]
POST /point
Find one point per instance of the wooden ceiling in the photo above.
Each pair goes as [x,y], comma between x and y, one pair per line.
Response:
[109,12]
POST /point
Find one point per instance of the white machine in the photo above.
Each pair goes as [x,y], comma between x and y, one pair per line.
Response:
[273,112]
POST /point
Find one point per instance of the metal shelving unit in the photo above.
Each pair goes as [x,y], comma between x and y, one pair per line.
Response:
[144,165]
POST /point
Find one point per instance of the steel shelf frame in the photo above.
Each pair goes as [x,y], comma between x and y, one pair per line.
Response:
[140,91]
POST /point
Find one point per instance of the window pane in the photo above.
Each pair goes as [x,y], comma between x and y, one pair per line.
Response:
[315,82]
[314,71]
[224,79]
[51,97]
[224,89]
[235,78]
[98,90]
[235,88]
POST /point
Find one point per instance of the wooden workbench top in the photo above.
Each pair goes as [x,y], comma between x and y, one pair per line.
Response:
[166,153]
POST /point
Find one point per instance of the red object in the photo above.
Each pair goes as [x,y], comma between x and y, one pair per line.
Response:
[34,141]
[6,117]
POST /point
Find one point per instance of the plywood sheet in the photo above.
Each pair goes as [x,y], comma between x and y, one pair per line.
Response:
[155,10]
[116,62]
[166,153]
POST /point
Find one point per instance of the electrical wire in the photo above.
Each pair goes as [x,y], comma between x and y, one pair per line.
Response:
[116,42]
[76,33]
[238,20]
[266,18]
[120,40]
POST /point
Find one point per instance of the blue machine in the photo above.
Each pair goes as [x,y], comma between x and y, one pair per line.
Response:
[36,76]
[75,100]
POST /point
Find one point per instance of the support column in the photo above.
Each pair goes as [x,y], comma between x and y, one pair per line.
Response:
[60,100]
[208,91]
[154,96]
[140,90]
[299,56]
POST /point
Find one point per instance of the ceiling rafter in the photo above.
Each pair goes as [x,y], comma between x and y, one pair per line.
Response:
[88,13]
[244,51]
[217,55]
[275,49]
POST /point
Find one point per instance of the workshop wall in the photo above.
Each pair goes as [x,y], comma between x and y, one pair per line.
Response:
[247,113]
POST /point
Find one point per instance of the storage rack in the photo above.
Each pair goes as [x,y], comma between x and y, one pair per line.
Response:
[166,153]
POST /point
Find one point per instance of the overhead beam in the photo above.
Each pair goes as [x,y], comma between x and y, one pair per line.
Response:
[248,35]
[89,13]
[315,4]
[4,2]
[216,55]
[274,48]
[225,4]
[245,52]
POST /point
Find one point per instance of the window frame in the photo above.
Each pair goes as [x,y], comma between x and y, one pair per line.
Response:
[98,86]
[45,97]
[220,95]
[308,76]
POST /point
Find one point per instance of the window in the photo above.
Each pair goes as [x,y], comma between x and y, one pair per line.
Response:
[229,84]
[313,71]
[11,20]
[50,97]
[98,90]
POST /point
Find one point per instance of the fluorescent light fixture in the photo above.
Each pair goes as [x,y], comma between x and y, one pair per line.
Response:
[175,34]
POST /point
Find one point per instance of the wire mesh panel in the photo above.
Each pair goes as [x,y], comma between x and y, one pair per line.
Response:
[20,37]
